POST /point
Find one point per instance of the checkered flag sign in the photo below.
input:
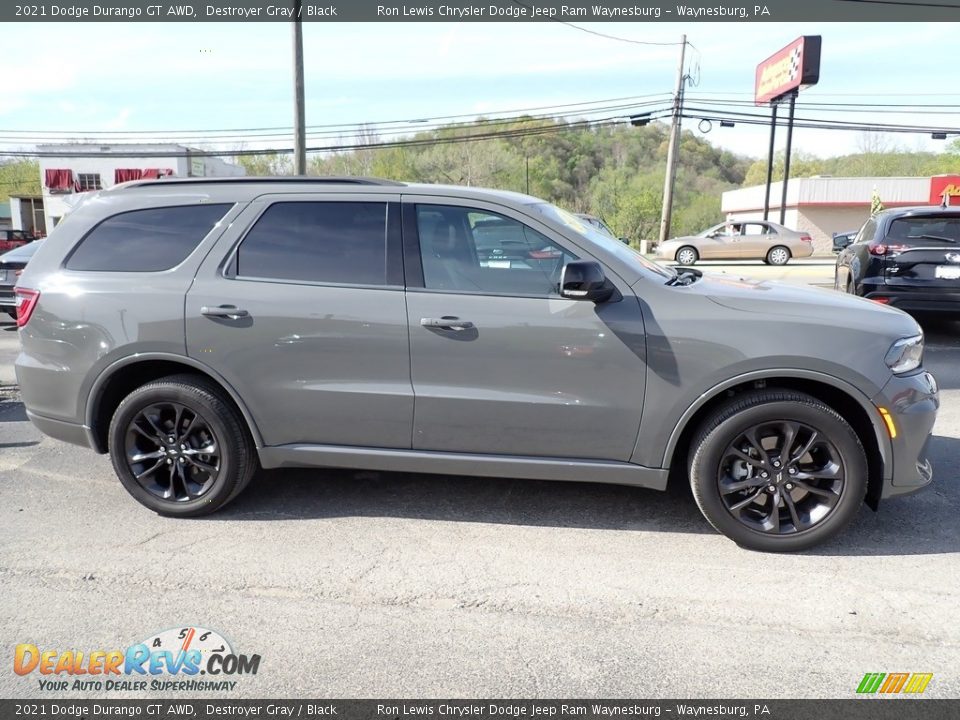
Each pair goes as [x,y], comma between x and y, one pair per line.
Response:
[795,57]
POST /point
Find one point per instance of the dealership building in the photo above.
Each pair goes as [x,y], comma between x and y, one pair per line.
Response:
[822,205]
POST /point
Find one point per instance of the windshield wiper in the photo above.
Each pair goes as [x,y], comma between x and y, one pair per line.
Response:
[924,236]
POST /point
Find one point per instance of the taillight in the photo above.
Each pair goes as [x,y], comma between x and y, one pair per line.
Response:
[881,249]
[881,300]
[806,238]
[26,302]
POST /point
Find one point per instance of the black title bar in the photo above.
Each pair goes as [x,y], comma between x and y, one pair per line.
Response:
[693,11]
[872,708]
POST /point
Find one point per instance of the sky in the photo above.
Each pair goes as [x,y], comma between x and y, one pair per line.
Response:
[87,80]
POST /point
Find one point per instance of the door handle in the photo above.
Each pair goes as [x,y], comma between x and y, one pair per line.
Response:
[224,311]
[447,322]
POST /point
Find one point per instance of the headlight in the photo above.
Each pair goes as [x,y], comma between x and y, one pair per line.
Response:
[905,355]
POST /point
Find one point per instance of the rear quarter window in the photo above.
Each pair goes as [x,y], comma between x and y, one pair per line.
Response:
[148,240]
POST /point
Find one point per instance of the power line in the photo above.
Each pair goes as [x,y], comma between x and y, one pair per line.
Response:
[354,125]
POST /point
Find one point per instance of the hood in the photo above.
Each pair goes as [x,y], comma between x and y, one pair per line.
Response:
[684,239]
[814,304]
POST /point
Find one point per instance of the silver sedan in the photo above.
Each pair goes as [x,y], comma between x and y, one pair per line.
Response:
[739,240]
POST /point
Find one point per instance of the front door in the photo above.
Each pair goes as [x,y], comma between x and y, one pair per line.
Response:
[501,364]
[304,315]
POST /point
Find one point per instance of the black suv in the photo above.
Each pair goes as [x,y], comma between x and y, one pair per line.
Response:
[908,258]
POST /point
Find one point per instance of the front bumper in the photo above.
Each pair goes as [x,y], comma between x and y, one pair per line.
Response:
[912,401]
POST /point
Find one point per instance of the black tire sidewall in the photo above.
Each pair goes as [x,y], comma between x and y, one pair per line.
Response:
[210,409]
[706,462]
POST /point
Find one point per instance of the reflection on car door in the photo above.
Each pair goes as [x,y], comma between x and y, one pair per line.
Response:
[500,363]
[307,317]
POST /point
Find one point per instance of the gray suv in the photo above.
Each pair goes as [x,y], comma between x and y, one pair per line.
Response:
[199,329]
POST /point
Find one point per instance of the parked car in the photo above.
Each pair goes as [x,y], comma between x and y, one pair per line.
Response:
[198,329]
[10,239]
[739,240]
[12,264]
[842,239]
[908,258]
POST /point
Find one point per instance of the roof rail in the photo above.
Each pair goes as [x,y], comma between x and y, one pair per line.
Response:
[297,179]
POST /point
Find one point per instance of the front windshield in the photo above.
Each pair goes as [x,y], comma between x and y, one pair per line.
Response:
[623,251]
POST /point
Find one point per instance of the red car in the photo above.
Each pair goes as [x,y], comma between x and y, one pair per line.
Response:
[10,239]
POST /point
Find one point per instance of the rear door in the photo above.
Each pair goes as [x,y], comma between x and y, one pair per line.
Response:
[501,364]
[755,241]
[301,308]
[923,252]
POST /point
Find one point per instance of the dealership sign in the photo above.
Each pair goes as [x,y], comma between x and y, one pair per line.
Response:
[795,67]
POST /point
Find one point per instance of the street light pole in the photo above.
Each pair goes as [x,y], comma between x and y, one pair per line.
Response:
[299,115]
[672,148]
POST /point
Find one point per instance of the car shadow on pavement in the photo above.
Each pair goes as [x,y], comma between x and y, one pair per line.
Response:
[308,494]
[921,524]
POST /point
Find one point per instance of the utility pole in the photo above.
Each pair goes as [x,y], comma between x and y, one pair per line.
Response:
[673,147]
[299,117]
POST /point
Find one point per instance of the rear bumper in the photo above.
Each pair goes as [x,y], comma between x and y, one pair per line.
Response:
[912,402]
[916,299]
[65,431]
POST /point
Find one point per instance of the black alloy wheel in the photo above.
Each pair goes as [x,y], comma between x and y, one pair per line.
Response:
[781,477]
[181,447]
[172,452]
[777,470]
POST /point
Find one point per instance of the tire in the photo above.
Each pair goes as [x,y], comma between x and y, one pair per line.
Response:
[744,512]
[687,255]
[778,255]
[207,420]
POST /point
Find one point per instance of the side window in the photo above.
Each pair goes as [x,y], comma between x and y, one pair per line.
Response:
[755,229]
[468,250]
[145,240]
[867,231]
[332,242]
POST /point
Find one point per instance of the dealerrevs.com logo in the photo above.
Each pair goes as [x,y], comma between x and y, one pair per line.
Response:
[172,660]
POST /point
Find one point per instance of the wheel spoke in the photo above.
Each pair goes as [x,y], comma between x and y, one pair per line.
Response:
[152,438]
[755,462]
[831,472]
[200,465]
[186,433]
[774,516]
[807,446]
[156,428]
[146,456]
[149,470]
[831,496]
[726,488]
[789,435]
[751,436]
[794,514]
[746,501]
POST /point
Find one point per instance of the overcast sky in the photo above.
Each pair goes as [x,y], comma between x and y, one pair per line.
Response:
[87,78]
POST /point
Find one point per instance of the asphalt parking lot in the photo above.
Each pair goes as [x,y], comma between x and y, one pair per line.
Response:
[391,585]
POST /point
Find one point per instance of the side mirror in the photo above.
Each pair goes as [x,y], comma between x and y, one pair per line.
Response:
[584,280]
[624,240]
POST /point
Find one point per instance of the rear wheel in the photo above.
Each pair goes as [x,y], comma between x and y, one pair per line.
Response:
[180,447]
[778,255]
[777,470]
[687,255]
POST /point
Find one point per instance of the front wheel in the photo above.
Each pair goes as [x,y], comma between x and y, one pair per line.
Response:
[777,470]
[180,447]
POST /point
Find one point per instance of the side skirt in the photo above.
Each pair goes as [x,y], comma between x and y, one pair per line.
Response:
[445,463]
